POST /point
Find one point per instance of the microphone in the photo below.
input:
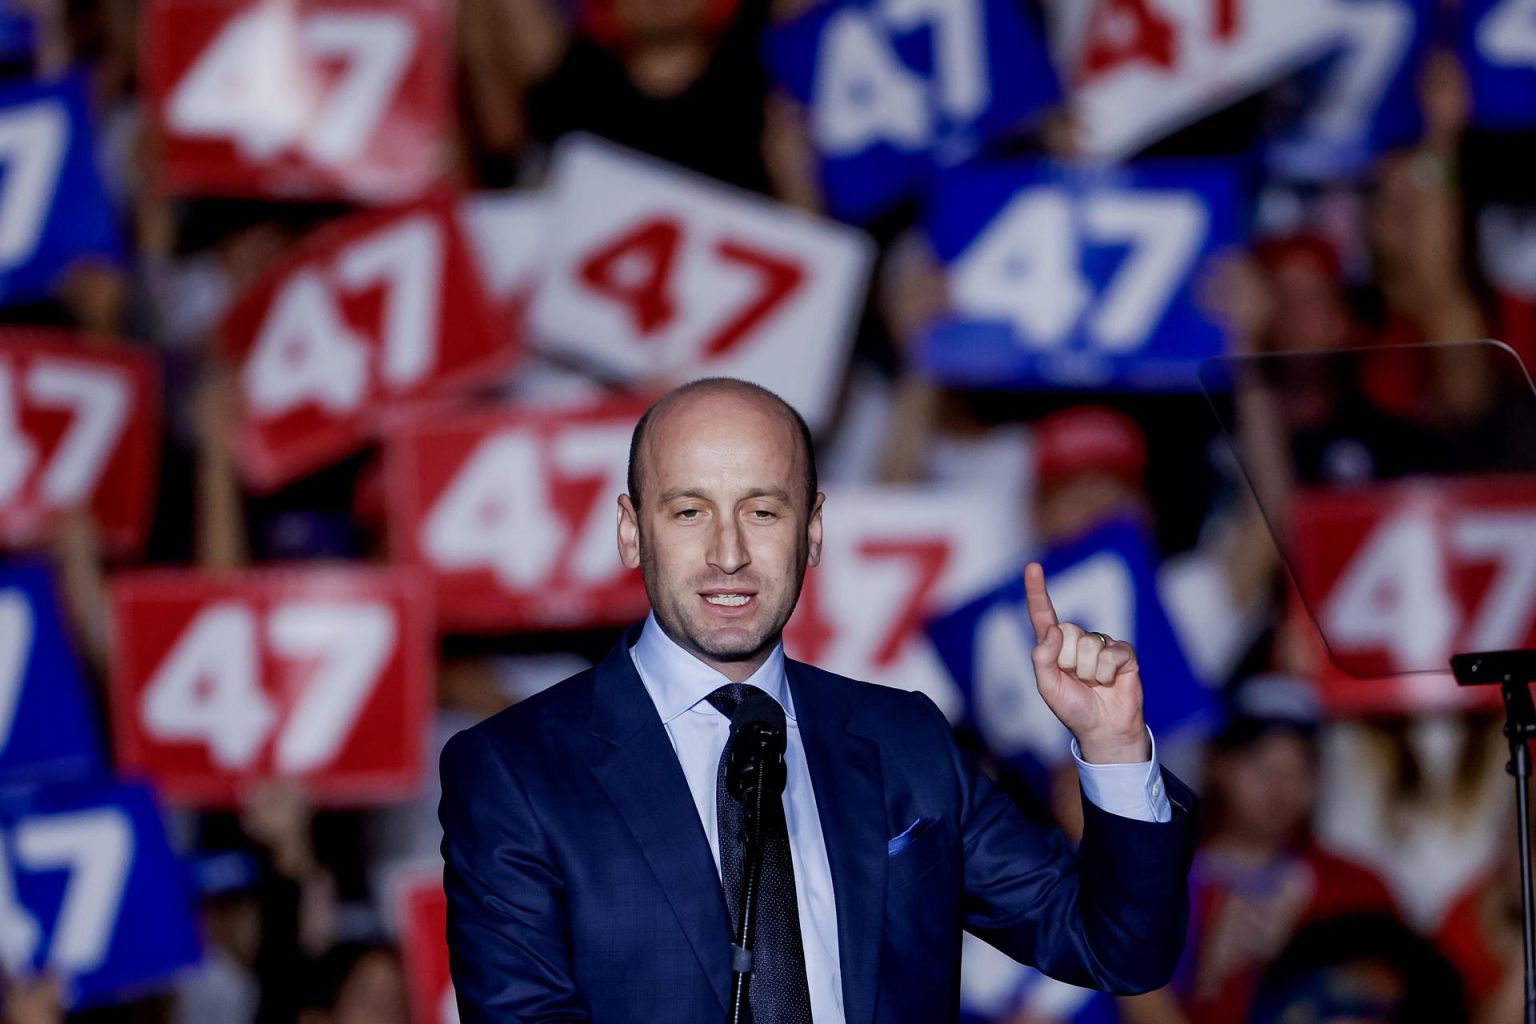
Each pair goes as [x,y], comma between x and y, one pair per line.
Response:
[754,776]
[757,748]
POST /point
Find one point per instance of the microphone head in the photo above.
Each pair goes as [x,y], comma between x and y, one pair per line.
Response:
[757,707]
[757,746]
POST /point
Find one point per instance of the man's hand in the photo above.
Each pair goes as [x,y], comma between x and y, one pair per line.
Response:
[1094,687]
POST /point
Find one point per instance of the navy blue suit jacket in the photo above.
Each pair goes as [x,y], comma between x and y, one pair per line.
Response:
[581,887]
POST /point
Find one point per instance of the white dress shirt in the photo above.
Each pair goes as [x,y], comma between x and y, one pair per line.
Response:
[678,683]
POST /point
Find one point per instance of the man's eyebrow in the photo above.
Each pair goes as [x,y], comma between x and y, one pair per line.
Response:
[682,492]
[777,493]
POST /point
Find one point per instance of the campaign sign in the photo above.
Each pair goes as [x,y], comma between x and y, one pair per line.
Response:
[657,274]
[894,88]
[1363,98]
[381,309]
[90,891]
[1141,69]
[423,916]
[1400,576]
[1343,695]
[78,429]
[892,557]
[47,728]
[1066,277]
[1498,50]
[53,207]
[301,99]
[1105,580]
[220,682]
[505,234]
[513,513]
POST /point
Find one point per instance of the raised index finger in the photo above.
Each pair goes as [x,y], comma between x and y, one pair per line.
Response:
[1042,614]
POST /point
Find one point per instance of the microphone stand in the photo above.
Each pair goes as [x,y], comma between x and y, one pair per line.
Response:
[760,777]
[1513,672]
[741,951]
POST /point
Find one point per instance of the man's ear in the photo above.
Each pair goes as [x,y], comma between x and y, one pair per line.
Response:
[629,533]
[813,531]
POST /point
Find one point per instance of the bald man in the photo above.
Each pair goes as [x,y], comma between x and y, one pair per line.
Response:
[593,858]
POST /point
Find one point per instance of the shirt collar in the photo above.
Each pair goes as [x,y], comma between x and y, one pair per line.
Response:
[676,680]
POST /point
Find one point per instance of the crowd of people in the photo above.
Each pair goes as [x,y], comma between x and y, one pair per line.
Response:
[1352,867]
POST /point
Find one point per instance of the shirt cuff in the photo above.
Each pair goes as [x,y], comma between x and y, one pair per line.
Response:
[1129,790]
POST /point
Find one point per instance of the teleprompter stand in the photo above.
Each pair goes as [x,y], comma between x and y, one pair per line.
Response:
[1513,672]
[1309,428]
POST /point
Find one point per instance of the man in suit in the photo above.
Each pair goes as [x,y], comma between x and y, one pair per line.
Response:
[593,859]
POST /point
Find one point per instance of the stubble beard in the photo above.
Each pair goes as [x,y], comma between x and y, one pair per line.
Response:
[683,629]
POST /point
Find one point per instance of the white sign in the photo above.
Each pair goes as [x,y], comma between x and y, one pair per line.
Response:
[505,231]
[657,274]
[1143,68]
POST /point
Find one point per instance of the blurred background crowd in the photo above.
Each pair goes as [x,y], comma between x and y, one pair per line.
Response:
[323,324]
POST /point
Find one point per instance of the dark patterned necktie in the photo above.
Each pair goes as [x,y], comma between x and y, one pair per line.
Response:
[778,993]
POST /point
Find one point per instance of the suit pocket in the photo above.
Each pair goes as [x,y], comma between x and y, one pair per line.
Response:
[912,831]
[918,849]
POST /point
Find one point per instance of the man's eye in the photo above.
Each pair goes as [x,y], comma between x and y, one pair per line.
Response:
[688,513]
[762,513]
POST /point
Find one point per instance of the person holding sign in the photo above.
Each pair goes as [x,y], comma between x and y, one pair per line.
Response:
[592,834]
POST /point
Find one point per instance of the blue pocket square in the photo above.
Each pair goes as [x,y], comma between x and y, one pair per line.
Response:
[905,840]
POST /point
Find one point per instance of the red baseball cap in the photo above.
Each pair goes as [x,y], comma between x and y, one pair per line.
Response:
[1088,439]
[1309,248]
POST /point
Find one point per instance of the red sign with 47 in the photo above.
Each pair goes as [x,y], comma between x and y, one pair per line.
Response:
[1399,577]
[78,428]
[346,99]
[219,682]
[513,513]
[379,310]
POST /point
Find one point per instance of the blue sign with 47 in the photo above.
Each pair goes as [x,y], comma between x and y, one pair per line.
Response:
[1064,277]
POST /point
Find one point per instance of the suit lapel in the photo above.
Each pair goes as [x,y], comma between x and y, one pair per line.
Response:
[850,801]
[643,779]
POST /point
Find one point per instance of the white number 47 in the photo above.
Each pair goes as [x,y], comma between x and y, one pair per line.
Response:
[95,847]
[1026,266]
[34,139]
[254,85]
[207,689]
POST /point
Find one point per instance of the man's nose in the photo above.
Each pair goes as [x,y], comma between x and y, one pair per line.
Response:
[728,550]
